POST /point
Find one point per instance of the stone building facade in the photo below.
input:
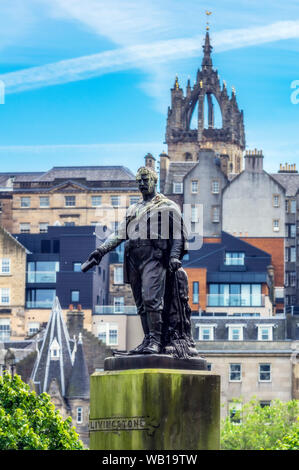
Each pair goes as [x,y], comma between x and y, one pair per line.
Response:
[254,210]
[12,287]
[254,357]
[65,196]
[288,177]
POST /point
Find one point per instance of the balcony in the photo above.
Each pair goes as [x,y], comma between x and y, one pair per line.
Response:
[235,300]
[115,309]
[39,303]
[41,276]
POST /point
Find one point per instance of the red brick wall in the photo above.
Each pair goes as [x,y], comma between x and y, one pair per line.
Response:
[200,275]
[275,248]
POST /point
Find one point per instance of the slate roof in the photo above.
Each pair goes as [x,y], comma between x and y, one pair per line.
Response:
[290,181]
[46,368]
[78,386]
[90,173]
[211,256]
[176,173]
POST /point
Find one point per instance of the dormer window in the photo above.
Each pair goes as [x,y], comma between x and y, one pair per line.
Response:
[54,350]
[234,259]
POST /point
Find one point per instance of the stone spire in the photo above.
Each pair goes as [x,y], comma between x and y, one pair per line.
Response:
[207,49]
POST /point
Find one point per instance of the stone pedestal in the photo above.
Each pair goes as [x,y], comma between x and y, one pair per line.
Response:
[154,409]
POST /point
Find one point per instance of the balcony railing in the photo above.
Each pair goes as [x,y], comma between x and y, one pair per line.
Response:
[116,309]
[39,303]
[235,300]
[41,276]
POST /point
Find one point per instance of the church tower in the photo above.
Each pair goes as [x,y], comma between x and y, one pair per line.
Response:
[227,140]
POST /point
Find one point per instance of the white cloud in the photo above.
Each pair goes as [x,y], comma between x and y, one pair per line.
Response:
[143,56]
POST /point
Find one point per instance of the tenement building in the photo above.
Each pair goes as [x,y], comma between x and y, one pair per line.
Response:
[255,357]
[30,202]
[288,177]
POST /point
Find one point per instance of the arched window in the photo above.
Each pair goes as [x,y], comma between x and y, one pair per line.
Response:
[188,156]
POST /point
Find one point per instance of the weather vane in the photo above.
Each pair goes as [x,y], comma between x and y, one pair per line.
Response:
[208,13]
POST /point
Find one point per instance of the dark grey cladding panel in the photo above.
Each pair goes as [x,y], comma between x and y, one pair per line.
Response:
[237,277]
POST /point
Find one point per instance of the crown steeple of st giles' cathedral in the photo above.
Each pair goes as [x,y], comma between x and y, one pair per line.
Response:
[191,120]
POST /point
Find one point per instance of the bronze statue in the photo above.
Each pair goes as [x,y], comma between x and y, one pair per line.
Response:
[155,241]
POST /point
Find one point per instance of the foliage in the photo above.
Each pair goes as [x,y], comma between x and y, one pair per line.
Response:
[262,428]
[291,440]
[30,422]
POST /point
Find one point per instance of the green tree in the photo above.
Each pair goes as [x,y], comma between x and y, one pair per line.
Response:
[30,422]
[261,428]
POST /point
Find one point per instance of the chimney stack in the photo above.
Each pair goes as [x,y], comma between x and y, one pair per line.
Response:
[254,161]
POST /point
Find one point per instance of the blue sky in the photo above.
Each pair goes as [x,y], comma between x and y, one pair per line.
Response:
[87,82]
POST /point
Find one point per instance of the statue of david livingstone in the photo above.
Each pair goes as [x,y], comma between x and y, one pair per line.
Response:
[154,237]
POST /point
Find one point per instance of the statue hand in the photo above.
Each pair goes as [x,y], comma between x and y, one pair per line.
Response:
[174,264]
[97,255]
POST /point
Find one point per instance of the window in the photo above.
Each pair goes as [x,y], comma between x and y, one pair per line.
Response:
[265,333]
[292,233]
[293,206]
[70,201]
[118,275]
[4,296]
[292,279]
[108,333]
[206,332]
[194,214]
[264,372]
[79,415]
[40,298]
[44,201]
[178,188]
[56,246]
[43,227]
[275,225]
[194,187]
[265,403]
[235,373]
[134,199]
[235,410]
[25,228]
[33,328]
[215,214]
[5,266]
[188,156]
[234,259]
[45,246]
[25,201]
[77,267]
[75,295]
[115,201]
[235,295]
[4,329]
[276,200]
[96,201]
[235,332]
[54,349]
[292,254]
[215,187]
[195,292]
[69,224]
[119,303]
[42,271]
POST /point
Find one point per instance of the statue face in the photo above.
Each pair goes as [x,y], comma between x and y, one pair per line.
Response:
[146,182]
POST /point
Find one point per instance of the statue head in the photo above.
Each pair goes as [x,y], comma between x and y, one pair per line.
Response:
[147,179]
